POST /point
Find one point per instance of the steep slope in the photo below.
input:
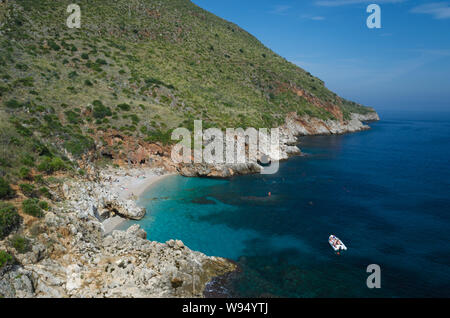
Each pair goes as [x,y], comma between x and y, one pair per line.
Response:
[138,68]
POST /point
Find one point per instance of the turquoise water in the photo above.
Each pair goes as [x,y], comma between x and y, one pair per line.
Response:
[384,192]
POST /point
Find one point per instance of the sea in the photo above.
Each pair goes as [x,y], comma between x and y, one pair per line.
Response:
[384,192]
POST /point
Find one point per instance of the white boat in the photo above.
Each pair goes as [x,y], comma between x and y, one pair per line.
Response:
[336,244]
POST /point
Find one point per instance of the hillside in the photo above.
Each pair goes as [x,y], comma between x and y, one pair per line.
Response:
[138,68]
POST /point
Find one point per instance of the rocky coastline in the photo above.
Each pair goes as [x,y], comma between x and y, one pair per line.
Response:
[74,256]
[289,132]
[75,253]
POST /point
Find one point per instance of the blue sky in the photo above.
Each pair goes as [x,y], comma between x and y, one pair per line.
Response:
[403,65]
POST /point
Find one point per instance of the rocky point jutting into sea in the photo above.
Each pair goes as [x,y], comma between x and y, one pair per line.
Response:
[76,253]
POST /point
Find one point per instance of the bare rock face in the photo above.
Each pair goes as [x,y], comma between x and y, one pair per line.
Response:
[305,125]
[218,170]
[95,200]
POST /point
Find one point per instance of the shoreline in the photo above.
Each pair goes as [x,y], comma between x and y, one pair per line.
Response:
[135,181]
[130,186]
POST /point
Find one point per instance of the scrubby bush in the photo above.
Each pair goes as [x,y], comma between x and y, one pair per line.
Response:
[45,192]
[73,74]
[28,160]
[50,165]
[79,144]
[6,191]
[20,243]
[85,56]
[22,130]
[88,83]
[100,111]
[101,62]
[9,219]
[27,189]
[41,149]
[39,179]
[31,207]
[13,103]
[134,118]
[3,90]
[43,205]
[53,45]
[25,173]
[5,259]
[72,117]
[26,81]
[21,67]
[124,107]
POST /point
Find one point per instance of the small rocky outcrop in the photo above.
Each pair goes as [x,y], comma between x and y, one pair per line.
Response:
[94,199]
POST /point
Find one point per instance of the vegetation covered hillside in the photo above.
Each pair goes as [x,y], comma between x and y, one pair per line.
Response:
[138,67]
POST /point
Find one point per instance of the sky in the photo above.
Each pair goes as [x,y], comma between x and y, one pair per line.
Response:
[403,65]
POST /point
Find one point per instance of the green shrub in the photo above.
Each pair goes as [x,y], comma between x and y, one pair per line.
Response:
[6,191]
[101,62]
[50,165]
[73,117]
[134,118]
[28,160]
[21,67]
[3,90]
[41,149]
[155,136]
[124,107]
[53,45]
[26,81]
[20,243]
[39,179]
[73,74]
[22,130]
[25,173]
[88,83]
[45,192]
[31,207]
[5,259]
[100,111]
[9,219]
[43,205]
[27,189]
[85,56]
[79,144]
[13,103]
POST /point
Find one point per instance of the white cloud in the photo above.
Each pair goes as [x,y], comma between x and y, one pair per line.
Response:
[338,3]
[439,10]
[280,9]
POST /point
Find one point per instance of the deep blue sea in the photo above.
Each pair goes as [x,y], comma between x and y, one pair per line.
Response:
[384,192]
